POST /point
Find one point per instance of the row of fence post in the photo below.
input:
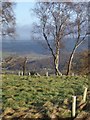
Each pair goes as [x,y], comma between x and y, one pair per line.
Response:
[21,73]
[74,102]
[47,74]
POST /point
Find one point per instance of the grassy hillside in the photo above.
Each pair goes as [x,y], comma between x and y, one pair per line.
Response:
[41,95]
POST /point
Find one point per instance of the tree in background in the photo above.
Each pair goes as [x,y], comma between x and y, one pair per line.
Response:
[7,18]
[16,63]
[53,19]
[24,65]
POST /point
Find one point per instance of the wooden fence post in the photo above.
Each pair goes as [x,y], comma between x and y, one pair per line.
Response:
[73,74]
[73,106]
[47,74]
[29,73]
[19,73]
[85,94]
[22,73]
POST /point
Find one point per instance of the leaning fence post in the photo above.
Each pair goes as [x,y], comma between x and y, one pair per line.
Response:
[73,106]
[85,94]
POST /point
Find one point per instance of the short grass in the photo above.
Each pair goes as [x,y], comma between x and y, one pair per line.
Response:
[25,91]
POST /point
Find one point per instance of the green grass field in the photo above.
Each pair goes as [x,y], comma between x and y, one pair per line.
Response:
[41,92]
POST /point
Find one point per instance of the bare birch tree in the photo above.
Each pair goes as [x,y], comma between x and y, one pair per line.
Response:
[80,29]
[53,19]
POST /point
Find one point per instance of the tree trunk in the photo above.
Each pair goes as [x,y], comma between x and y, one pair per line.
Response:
[24,66]
[70,61]
[56,63]
[72,54]
[55,55]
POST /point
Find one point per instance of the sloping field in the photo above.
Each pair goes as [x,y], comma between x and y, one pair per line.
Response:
[40,97]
